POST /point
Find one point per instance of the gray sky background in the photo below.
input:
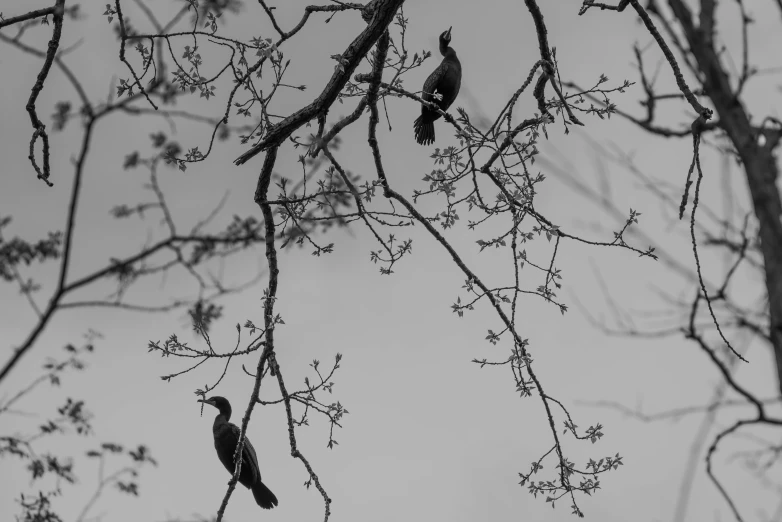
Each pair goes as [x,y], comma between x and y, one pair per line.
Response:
[430,436]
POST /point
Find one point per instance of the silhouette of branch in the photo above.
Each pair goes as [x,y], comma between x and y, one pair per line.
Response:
[39,129]
[384,11]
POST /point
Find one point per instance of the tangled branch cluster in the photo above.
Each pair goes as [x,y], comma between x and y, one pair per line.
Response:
[488,174]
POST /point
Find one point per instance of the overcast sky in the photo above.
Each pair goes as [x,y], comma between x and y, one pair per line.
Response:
[430,435]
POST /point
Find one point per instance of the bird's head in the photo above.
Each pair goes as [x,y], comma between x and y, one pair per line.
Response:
[221,403]
[445,37]
[445,40]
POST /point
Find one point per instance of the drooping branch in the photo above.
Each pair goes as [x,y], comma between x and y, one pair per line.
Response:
[39,128]
[759,163]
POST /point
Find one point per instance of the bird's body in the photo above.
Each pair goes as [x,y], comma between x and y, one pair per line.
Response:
[441,88]
[226,437]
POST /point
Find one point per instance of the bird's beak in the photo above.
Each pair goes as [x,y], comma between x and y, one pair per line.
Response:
[448,34]
[206,401]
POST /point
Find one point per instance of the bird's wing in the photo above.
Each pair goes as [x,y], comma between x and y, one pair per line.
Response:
[430,85]
[248,454]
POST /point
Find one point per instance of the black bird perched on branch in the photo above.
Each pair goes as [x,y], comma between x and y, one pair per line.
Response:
[441,88]
[226,439]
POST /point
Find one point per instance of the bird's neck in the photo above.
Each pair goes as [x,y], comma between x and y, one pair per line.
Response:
[220,420]
[448,53]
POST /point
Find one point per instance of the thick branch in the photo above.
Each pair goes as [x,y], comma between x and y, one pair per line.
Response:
[759,163]
[350,59]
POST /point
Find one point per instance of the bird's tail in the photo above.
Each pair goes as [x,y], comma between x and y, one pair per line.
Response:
[263,496]
[424,131]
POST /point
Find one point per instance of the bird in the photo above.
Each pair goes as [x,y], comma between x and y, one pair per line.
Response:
[441,88]
[226,437]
